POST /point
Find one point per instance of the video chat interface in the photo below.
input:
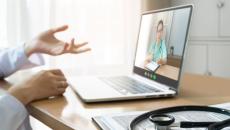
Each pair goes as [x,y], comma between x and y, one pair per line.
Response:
[161,42]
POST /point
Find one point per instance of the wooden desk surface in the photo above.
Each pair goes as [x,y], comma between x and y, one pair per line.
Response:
[69,112]
[168,71]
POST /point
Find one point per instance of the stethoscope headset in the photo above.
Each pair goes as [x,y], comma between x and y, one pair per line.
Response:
[163,121]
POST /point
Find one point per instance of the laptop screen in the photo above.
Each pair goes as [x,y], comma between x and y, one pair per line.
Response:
[161,44]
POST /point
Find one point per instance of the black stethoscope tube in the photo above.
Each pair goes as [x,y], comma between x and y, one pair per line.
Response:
[219,125]
[214,126]
[187,124]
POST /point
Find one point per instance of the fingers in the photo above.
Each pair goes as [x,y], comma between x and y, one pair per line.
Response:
[74,48]
[59,87]
[66,46]
[59,29]
[72,42]
[59,78]
[61,90]
[62,84]
[57,75]
[56,72]
[73,45]
[81,44]
[81,50]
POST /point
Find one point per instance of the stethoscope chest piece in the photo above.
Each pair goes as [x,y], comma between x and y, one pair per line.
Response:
[161,121]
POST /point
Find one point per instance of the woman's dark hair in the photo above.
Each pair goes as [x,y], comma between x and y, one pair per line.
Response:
[160,22]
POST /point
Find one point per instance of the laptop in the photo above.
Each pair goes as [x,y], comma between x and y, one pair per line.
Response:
[158,61]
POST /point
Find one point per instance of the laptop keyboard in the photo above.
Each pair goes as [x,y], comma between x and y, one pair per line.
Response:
[125,85]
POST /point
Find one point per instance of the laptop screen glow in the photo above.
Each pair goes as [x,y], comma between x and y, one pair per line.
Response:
[161,44]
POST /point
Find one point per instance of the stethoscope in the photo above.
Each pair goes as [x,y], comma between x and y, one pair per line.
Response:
[164,121]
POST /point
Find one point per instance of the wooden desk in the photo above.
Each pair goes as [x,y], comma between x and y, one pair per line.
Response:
[69,112]
[168,71]
[174,60]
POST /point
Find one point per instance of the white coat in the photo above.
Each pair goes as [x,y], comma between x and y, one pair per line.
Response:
[13,114]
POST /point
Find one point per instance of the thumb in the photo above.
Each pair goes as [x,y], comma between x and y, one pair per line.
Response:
[59,29]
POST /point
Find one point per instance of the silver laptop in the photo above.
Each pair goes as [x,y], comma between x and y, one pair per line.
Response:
[158,61]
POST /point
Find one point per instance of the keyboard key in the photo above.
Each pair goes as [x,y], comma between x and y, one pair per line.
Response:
[126,85]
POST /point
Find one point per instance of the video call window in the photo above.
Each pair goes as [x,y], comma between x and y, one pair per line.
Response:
[161,42]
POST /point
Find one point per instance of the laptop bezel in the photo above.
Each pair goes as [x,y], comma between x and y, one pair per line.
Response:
[172,84]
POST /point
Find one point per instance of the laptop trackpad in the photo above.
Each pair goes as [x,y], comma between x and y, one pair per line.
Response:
[92,88]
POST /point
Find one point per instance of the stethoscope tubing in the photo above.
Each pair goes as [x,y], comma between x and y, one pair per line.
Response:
[144,116]
[187,124]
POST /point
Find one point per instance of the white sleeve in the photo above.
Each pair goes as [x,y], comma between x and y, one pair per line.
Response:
[13,114]
[14,59]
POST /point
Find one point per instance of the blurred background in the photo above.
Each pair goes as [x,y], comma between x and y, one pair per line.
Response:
[111,28]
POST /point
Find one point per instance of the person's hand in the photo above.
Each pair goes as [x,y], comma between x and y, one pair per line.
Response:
[161,61]
[148,59]
[47,43]
[42,85]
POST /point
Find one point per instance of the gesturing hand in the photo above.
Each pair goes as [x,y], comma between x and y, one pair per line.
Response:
[47,43]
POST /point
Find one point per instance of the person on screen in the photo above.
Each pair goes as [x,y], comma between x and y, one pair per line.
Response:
[157,51]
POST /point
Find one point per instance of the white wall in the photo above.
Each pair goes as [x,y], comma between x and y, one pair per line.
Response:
[209,40]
